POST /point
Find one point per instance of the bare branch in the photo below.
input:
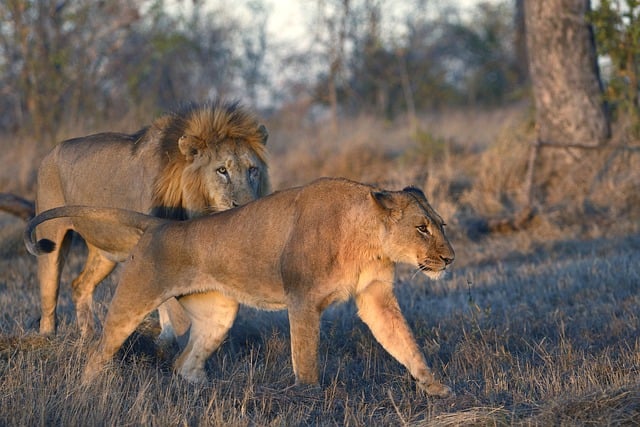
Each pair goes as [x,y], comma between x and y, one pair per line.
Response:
[17,206]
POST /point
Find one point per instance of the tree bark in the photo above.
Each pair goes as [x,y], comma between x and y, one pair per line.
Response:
[564,73]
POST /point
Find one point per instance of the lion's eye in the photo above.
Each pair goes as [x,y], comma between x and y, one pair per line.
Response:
[423,229]
[222,170]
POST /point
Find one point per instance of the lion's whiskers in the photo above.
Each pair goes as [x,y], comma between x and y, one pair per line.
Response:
[415,273]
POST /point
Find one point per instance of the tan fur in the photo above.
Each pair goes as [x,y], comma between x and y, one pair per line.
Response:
[301,249]
[203,158]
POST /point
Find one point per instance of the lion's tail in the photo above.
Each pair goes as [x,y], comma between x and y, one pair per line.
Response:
[128,225]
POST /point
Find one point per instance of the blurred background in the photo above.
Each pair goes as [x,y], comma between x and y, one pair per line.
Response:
[497,108]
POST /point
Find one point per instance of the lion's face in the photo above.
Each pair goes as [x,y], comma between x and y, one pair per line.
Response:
[222,176]
[414,232]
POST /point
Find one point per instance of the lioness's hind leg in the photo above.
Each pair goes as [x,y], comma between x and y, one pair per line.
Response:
[212,315]
[96,268]
[379,309]
[132,301]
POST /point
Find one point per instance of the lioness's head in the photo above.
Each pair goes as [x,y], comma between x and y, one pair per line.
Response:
[219,160]
[413,231]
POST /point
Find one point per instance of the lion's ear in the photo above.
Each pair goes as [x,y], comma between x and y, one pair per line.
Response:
[190,146]
[383,199]
[415,190]
[264,134]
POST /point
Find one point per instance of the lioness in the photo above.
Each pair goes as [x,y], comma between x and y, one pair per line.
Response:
[203,158]
[300,249]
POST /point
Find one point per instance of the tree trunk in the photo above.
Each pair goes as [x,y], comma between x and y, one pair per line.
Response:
[520,44]
[564,73]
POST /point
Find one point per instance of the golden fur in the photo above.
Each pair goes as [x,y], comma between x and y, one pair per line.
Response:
[301,249]
[203,158]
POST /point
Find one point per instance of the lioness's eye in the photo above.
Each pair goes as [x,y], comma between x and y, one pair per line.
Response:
[423,229]
[222,170]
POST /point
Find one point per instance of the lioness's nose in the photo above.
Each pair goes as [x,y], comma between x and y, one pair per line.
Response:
[447,261]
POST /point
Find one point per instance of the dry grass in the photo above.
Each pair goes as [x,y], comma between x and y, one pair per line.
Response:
[536,327]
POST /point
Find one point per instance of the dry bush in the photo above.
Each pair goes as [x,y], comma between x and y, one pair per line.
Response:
[20,159]
[500,171]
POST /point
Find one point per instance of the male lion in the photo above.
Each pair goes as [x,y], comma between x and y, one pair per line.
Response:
[300,249]
[203,158]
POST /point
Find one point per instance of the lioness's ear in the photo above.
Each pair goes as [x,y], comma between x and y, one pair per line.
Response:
[383,199]
[262,130]
[388,204]
[190,146]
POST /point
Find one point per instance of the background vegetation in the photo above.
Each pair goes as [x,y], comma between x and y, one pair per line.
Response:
[538,323]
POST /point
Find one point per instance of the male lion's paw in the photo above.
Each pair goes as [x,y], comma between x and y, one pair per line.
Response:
[436,389]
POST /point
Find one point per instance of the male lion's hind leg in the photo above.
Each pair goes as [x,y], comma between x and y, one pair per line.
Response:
[212,315]
[379,309]
[49,269]
[96,268]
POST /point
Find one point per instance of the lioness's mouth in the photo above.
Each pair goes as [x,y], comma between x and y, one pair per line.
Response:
[423,267]
[426,268]
[433,273]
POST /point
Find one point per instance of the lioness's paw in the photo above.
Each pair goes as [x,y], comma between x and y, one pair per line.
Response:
[194,376]
[436,389]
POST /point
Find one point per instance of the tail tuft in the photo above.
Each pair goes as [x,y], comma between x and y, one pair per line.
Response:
[46,246]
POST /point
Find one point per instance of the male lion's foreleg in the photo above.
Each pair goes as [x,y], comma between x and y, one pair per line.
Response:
[379,309]
[304,325]
[212,315]
[96,268]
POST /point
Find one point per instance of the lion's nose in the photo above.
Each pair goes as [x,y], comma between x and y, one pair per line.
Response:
[446,260]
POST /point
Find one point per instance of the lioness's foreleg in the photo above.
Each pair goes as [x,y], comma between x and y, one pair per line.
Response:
[96,268]
[212,315]
[304,325]
[379,309]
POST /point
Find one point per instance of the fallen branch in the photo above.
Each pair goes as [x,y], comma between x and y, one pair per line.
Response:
[17,206]
[519,221]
